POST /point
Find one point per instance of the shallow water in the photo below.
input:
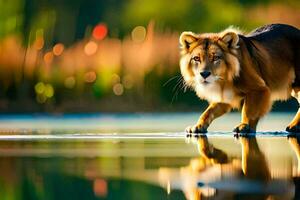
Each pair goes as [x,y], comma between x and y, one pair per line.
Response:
[145,156]
[128,123]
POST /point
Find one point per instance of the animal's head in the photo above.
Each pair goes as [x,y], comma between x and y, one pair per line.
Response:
[209,58]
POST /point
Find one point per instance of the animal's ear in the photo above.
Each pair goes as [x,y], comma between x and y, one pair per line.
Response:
[186,39]
[231,39]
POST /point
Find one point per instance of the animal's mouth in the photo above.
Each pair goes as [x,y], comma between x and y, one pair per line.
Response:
[204,82]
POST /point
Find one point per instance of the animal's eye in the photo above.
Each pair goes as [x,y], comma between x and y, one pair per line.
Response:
[216,58]
[196,58]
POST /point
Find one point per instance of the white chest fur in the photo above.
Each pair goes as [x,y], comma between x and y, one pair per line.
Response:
[214,93]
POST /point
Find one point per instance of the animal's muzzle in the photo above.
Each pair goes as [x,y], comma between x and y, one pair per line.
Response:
[205,74]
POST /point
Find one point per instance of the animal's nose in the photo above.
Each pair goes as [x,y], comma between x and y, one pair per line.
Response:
[205,74]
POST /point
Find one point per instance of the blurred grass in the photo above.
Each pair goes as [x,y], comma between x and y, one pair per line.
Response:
[58,56]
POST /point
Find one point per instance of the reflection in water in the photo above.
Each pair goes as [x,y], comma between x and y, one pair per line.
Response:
[204,167]
[295,144]
[217,175]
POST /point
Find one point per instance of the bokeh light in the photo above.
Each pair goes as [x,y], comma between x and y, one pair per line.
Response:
[90,77]
[39,88]
[115,78]
[100,31]
[39,43]
[138,34]
[58,49]
[49,91]
[70,82]
[90,48]
[48,57]
[39,39]
[100,188]
[43,92]
[118,89]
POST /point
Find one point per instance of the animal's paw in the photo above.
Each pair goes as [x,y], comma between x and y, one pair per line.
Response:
[243,128]
[293,128]
[196,129]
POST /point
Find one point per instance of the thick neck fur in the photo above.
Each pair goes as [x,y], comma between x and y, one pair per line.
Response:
[250,73]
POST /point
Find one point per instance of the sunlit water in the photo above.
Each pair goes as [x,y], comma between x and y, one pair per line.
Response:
[129,123]
[145,156]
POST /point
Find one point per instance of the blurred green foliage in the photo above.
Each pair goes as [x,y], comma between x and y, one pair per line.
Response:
[30,29]
[69,20]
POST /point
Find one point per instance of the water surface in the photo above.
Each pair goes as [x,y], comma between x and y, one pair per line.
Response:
[144,156]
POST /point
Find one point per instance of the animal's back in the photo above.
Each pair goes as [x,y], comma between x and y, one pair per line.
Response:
[278,39]
[272,32]
[282,42]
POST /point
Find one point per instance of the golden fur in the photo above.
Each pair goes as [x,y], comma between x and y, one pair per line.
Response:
[232,70]
[212,163]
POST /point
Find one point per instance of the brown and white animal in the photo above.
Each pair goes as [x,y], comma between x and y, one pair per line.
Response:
[233,70]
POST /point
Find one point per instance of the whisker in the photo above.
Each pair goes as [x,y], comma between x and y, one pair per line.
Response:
[180,85]
[174,97]
[177,85]
[168,81]
[176,88]
[185,87]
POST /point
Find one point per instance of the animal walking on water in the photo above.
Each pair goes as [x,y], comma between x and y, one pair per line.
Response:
[247,72]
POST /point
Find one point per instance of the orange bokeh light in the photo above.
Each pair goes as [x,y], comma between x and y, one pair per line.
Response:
[100,31]
[100,187]
[39,43]
[58,49]
[118,89]
[48,57]
[90,48]
[90,77]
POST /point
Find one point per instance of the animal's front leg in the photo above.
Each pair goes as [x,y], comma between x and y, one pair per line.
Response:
[294,126]
[252,157]
[256,104]
[213,111]
[209,153]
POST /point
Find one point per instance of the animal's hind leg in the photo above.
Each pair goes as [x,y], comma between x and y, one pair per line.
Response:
[294,125]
